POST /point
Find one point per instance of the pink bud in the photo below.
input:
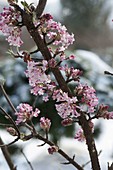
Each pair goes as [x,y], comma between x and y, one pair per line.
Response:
[67,122]
[52,149]
[45,123]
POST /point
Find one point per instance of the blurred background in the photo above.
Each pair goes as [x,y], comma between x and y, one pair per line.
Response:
[91,22]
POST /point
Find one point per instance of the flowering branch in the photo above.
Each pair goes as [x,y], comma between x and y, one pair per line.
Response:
[63,85]
[69,103]
[60,151]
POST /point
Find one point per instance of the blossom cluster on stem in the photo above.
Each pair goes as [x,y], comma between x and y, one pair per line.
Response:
[25,112]
[9,20]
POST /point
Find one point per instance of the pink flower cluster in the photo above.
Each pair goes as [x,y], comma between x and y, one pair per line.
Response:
[45,124]
[66,106]
[71,73]
[80,135]
[58,32]
[53,149]
[55,31]
[104,113]
[67,122]
[88,97]
[25,112]
[38,80]
[8,25]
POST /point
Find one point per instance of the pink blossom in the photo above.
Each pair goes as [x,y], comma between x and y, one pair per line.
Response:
[52,63]
[80,135]
[66,106]
[72,57]
[67,122]
[8,25]
[71,73]
[25,112]
[104,113]
[53,149]
[63,38]
[45,98]
[55,31]
[38,80]
[45,123]
[87,96]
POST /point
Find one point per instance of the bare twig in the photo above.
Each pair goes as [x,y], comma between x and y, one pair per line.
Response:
[6,125]
[29,163]
[9,144]
[110,167]
[32,52]
[90,160]
[60,151]
[11,120]
[7,98]
[108,73]
[7,156]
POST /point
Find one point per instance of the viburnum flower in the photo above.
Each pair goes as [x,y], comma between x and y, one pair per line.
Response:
[55,31]
[12,131]
[8,25]
[53,149]
[87,96]
[71,73]
[80,135]
[25,112]
[60,34]
[67,122]
[38,79]
[104,113]
[66,106]
[45,123]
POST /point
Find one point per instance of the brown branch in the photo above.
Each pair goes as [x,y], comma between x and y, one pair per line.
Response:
[108,73]
[110,167]
[89,141]
[7,98]
[9,144]
[29,163]
[60,151]
[7,156]
[11,121]
[40,8]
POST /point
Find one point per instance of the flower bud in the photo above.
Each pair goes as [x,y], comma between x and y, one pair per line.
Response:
[67,122]
[53,149]
[45,123]
[11,131]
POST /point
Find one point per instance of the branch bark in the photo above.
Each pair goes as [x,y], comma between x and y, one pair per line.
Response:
[7,156]
[40,8]
[90,142]
[60,151]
